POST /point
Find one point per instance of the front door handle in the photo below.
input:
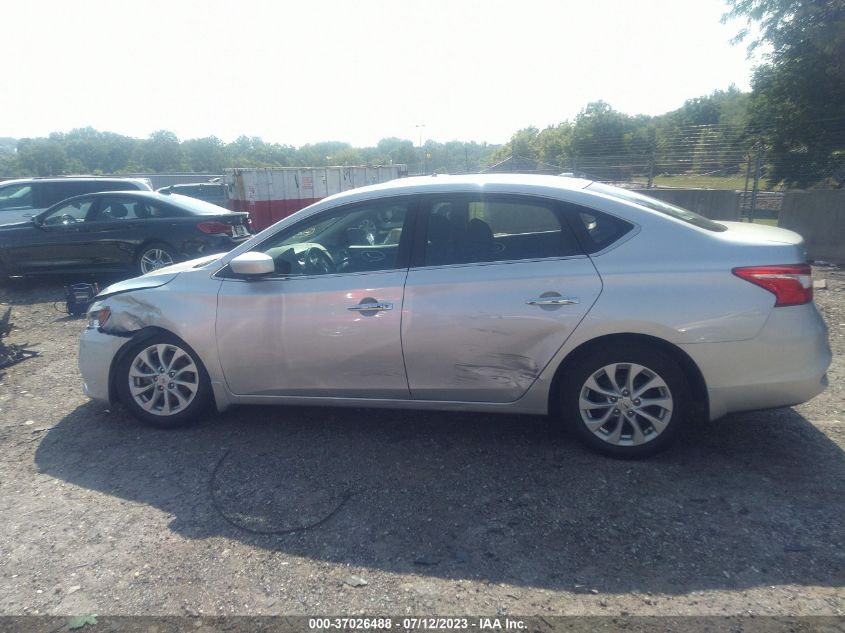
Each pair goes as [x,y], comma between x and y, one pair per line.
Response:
[371,307]
[552,301]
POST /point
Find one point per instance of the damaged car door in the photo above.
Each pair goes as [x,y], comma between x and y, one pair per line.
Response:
[497,286]
[326,322]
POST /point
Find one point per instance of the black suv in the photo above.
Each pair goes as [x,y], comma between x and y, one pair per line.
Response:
[22,198]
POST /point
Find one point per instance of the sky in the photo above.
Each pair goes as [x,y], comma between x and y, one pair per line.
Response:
[354,70]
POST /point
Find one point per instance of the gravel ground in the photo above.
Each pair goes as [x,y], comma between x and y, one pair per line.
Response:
[434,513]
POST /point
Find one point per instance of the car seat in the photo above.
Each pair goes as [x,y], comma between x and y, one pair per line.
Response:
[477,243]
[441,243]
[117,210]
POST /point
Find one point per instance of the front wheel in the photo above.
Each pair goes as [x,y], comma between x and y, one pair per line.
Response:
[163,382]
[154,256]
[626,401]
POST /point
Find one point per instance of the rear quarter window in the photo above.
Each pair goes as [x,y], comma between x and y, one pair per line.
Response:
[595,230]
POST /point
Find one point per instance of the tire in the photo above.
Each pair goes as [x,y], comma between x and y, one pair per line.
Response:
[604,398]
[153,256]
[163,382]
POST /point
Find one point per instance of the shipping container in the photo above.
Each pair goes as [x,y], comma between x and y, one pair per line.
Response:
[270,194]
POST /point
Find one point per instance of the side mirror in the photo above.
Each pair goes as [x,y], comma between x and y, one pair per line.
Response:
[252,264]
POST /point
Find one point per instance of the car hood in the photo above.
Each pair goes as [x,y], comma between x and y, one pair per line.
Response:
[26,224]
[156,278]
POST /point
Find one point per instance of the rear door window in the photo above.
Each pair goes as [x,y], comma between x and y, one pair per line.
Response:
[121,209]
[465,229]
[16,197]
[53,192]
[95,186]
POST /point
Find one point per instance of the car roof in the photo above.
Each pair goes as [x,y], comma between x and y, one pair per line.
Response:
[438,183]
[71,178]
[480,180]
[153,195]
[191,184]
[186,203]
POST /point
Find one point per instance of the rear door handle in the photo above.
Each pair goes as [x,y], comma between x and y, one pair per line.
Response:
[371,307]
[552,301]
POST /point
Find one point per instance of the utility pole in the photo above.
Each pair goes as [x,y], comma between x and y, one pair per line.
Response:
[747,178]
[513,153]
[758,165]
[420,127]
[652,146]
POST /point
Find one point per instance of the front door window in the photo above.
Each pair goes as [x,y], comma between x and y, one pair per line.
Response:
[354,239]
[68,214]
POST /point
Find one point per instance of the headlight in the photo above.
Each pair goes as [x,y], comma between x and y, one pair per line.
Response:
[98,317]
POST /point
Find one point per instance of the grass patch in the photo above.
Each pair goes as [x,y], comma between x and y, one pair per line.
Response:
[698,182]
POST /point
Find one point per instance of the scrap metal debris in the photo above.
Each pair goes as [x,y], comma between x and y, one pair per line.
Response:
[10,353]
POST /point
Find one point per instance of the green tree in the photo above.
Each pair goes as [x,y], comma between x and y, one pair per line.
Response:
[42,156]
[394,150]
[604,140]
[798,93]
[9,164]
[325,153]
[161,152]
[205,154]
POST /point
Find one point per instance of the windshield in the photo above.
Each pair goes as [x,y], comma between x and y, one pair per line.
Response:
[654,204]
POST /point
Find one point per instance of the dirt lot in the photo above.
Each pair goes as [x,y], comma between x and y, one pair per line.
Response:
[439,512]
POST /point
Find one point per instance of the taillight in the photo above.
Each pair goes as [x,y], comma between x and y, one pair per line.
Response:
[212,228]
[792,284]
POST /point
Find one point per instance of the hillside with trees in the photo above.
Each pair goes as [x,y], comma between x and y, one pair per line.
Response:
[797,103]
[89,151]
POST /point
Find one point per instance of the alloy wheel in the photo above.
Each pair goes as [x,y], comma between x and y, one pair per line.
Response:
[154,259]
[163,379]
[625,404]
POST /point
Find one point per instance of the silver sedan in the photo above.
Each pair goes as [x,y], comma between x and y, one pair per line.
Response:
[620,315]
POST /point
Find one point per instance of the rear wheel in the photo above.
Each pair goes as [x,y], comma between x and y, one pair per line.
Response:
[163,382]
[626,401]
[154,256]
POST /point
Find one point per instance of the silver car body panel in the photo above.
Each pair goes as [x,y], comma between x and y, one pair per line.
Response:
[97,351]
[294,341]
[452,314]
[783,365]
[300,336]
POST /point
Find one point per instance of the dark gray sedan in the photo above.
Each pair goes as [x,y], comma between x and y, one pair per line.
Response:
[127,231]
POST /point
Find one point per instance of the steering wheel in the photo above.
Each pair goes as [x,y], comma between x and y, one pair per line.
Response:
[318,262]
[67,218]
